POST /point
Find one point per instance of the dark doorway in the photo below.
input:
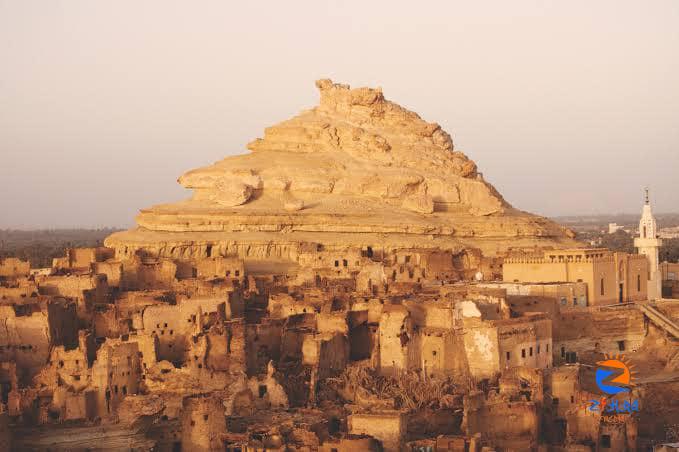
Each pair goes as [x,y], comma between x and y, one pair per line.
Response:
[571,357]
[620,293]
[605,441]
[559,431]
[5,388]
[334,426]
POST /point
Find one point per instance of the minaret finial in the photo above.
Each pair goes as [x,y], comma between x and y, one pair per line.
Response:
[646,195]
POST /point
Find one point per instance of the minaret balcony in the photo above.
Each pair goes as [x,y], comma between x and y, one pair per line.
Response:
[640,242]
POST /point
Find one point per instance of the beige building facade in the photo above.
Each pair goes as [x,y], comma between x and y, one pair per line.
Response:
[610,277]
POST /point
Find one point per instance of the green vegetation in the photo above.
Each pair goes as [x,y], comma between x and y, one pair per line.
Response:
[618,241]
[41,246]
[670,250]
[622,241]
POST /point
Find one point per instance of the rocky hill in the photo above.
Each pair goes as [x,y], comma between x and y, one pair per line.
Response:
[355,171]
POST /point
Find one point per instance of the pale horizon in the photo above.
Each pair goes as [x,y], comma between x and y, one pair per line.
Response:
[567,108]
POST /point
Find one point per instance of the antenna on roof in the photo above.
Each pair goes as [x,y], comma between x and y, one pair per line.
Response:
[646,194]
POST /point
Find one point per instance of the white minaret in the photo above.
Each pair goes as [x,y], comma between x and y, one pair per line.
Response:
[648,244]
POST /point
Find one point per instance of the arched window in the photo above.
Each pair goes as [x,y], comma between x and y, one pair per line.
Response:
[602,286]
[644,236]
[638,283]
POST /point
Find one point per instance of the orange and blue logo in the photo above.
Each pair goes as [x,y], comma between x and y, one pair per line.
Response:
[613,375]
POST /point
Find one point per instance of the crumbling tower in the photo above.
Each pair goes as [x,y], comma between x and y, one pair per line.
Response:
[648,244]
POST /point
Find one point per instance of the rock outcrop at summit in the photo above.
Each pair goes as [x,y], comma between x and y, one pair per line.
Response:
[358,144]
[355,171]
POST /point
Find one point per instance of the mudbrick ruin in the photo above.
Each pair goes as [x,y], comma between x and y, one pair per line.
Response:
[351,284]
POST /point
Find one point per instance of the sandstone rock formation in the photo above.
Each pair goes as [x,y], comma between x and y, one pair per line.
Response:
[355,171]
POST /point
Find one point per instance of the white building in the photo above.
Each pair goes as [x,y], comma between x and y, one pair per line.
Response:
[614,227]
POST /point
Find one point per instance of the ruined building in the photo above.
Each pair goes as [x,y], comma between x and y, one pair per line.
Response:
[351,284]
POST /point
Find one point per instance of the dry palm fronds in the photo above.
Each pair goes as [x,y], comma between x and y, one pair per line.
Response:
[409,389]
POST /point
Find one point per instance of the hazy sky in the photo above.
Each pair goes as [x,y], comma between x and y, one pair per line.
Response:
[566,106]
